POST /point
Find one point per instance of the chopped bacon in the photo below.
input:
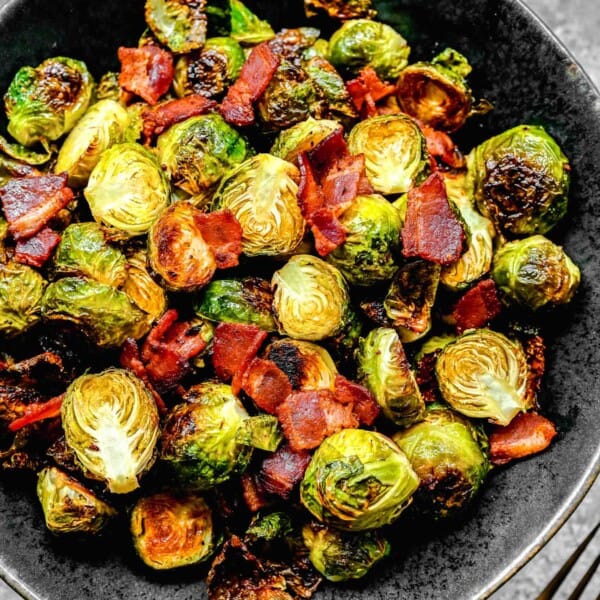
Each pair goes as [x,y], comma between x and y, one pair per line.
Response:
[266,384]
[477,307]
[440,146]
[366,90]
[328,231]
[282,471]
[253,493]
[146,72]
[310,195]
[363,403]
[426,379]
[38,412]
[528,433]
[534,348]
[431,230]
[223,233]
[30,202]
[328,150]
[255,76]
[344,180]
[36,250]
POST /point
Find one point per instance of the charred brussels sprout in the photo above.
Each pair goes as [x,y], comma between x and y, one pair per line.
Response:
[535,272]
[172,530]
[45,102]
[246,27]
[449,453]
[179,25]
[68,506]
[520,180]
[261,431]
[338,9]
[360,43]
[483,374]
[395,150]
[111,423]
[302,137]
[108,87]
[311,299]
[356,480]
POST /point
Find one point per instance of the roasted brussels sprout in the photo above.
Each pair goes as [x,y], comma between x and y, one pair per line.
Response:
[108,87]
[111,423]
[337,9]
[358,479]
[27,155]
[360,43]
[483,374]
[127,189]
[171,530]
[246,27]
[449,453]
[45,102]
[395,150]
[302,137]
[520,180]
[261,431]
[310,298]
[535,272]
[179,25]
[103,125]
[261,193]
[68,506]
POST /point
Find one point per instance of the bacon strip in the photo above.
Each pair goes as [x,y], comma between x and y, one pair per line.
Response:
[223,233]
[363,403]
[146,72]
[441,146]
[266,384]
[477,307]
[253,493]
[366,90]
[283,470]
[36,250]
[38,412]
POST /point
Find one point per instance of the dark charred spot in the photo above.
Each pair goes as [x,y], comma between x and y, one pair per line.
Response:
[375,311]
[207,74]
[289,44]
[442,494]
[257,292]
[287,357]
[60,84]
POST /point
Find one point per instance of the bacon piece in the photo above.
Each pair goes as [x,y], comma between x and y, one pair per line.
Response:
[364,405]
[477,307]
[30,202]
[36,250]
[328,231]
[431,230]
[253,493]
[441,146]
[534,348]
[528,433]
[328,150]
[223,233]
[310,195]
[38,412]
[426,379]
[283,470]
[344,180]
[266,384]
[366,90]
[146,72]
[255,76]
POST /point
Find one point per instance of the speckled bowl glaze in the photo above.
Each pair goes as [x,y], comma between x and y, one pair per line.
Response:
[530,78]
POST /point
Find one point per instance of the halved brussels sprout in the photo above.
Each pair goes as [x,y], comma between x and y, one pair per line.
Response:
[483,374]
[384,369]
[395,150]
[172,530]
[70,507]
[535,272]
[246,27]
[27,155]
[356,480]
[45,102]
[261,431]
[261,193]
[310,298]
[111,423]
[127,190]
[179,25]
[103,125]
[302,137]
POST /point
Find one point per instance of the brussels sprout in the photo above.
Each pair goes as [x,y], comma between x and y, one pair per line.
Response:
[246,27]
[359,43]
[127,189]
[21,291]
[106,314]
[103,125]
[108,87]
[261,431]
[449,453]
[261,193]
[27,155]
[111,423]
[83,250]
[302,137]
[395,150]
[172,530]
[339,9]
[319,48]
[68,506]
[483,374]
[520,180]
[196,153]
[384,369]
[45,102]
[310,298]
[179,25]
[134,130]
[368,254]
[356,480]
[199,442]
[339,555]
[535,272]
[266,528]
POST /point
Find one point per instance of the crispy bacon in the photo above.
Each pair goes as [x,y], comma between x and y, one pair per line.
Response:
[310,195]
[223,233]
[281,471]
[36,250]
[343,180]
[366,90]
[528,433]
[266,384]
[364,405]
[431,230]
[38,411]
[328,231]
[426,379]
[328,151]
[477,307]
[253,493]
[534,348]
[440,146]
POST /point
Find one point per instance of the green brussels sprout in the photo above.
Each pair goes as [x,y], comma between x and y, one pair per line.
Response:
[483,374]
[179,25]
[111,423]
[450,455]
[83,250]
[70,507]
[266,528]
[302,137]
[520,180]
[356,480]
[310,298]
[172,530]
[200,446]
[261,193]
[384,369]
[368,255]
[106,314]
[535,272]
[340,9]
[395,150]
[134,130]
[246,27]
[21,291]
[319,48]
[340,555]
[45,102]
[127,189]
[27,155]
[108,87]
[433,344]
[359,43]
[261,431]
[196,153]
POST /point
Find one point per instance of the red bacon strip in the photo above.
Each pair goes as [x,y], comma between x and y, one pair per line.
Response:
[477,307]
[38,411]
[440,146]
[366,90]
[223,233]
[36,250]
[364,405]
[146,72]
[266,384]
[283,470]
[253,493]
[327,231]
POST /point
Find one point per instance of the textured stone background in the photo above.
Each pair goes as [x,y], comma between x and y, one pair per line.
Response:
[576,23]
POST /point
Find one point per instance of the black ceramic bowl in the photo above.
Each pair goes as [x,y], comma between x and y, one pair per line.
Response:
[529,78]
